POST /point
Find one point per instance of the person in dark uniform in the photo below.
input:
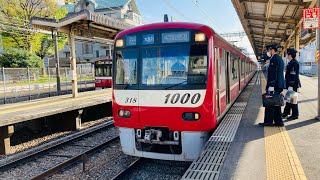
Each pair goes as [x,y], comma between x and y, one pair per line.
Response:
[292,83]
[275,83]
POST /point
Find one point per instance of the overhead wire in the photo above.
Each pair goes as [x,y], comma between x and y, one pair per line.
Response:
[195,2]
[167,3]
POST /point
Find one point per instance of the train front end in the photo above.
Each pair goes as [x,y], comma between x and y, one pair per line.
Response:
[163,90]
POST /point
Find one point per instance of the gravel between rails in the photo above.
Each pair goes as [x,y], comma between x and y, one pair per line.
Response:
[54,157]
[102,165]
[154,169]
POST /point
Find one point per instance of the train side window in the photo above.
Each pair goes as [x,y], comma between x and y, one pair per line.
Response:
[234,67]
[242,67]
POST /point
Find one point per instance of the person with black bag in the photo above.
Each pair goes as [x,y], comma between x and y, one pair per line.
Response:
[292,84]
[275,84]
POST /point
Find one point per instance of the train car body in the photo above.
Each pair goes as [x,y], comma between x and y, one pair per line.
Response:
[103,73]
[172,84]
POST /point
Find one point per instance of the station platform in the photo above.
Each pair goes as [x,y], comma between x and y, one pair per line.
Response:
[249,151]
[64,110]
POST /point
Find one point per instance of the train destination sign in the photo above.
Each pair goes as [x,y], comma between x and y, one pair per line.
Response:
[148,39]
[311,18]
[174,37]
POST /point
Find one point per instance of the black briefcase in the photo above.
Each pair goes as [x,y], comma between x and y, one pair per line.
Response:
[272,99]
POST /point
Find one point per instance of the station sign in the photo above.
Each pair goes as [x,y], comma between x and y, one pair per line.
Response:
[311,18]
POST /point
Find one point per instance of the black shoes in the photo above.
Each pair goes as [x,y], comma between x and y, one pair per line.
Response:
[265,124]
[270,125]
[278,125]
[292,118]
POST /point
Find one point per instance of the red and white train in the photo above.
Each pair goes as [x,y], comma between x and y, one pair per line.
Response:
[172,84]
[103,73]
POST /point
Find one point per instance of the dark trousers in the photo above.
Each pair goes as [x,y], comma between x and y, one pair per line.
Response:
[287,109]
[289,106]
[273,113]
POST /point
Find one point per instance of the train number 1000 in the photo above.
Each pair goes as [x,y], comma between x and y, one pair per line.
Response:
[185,98]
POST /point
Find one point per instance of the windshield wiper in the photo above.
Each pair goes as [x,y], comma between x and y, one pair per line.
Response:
[175,85]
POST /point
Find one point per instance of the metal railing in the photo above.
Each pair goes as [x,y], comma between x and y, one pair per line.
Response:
[21,84]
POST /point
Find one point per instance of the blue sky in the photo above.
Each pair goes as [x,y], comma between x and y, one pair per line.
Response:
[222,16]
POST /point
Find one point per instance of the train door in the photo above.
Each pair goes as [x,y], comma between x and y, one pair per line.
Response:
[227,75]
[217,77]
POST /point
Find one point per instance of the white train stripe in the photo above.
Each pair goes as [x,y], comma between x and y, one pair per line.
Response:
[103,77]
[222,94]
[235,85]
[160,98]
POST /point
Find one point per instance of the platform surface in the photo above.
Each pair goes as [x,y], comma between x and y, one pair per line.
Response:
[24,111]
[291,152]
[272,153]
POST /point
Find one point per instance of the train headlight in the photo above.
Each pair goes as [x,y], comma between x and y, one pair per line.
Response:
[119,43]
[199,37]
[191,116]
[124,113]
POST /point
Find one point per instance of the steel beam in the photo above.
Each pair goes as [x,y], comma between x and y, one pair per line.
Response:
[268,35]
[275,2]
[262,27]
[262,18]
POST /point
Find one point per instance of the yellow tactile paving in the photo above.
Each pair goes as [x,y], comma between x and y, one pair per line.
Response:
[52,103]
[281,158]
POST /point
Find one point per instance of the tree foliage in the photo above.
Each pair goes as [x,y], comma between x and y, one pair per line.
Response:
[46,41]
[17,13]
[14,58]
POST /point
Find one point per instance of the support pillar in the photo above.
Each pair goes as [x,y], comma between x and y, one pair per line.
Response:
[297,41]
[318,48]
[73,63]
[56,55]
[5,134]
[68,121]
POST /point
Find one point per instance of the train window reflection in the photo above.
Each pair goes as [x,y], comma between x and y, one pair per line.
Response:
[169,65]
[126,71]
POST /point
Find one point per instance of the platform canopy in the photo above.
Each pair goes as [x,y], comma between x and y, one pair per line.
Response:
[84,23]
[274,22]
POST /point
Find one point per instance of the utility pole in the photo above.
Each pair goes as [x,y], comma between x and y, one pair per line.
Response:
[318,48]
[56,54]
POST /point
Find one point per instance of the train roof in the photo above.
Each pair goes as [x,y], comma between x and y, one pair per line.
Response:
[166,25]
[174,25]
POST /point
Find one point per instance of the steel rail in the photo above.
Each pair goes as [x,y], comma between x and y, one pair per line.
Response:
[122,174]
[30,155]
[80,157]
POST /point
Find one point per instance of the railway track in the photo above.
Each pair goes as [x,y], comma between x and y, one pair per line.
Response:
[124,172]
[143,168]
[66,152]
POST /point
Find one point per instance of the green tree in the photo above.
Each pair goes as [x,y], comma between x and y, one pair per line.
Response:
[46,41]
[12,57]
[15,14]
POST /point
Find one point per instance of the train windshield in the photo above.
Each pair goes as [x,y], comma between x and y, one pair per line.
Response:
[174,65]
[103,69]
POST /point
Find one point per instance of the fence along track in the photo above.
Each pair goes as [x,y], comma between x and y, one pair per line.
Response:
[21,84]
